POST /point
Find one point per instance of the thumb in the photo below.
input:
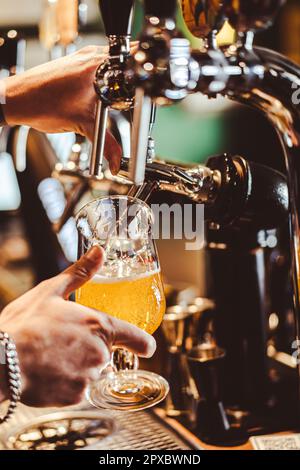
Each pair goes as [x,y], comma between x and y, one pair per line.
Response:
[79,273]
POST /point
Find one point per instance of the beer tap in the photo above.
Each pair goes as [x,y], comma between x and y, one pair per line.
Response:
[112,87]
[164,70]
[161,72]
[264,80]
[205,19]
[229,186]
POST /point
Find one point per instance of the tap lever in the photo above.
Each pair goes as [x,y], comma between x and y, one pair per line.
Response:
[143,192]
[117,16]
[152,118]
[161,8]
[200,183]
[161,70]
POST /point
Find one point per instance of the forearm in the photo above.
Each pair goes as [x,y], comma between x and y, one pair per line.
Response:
[43,98]
[7,102]
[19,106]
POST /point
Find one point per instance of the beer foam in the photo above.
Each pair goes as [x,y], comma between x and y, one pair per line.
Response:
[100,279]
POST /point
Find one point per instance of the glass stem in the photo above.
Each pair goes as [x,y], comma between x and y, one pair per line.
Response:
[124,360]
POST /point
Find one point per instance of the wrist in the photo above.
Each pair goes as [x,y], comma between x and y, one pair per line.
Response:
[24,103]
[10,101]
[2,102]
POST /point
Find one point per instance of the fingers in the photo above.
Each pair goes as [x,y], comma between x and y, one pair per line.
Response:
[112,150]
[77,274]
[133,338]
[115,332]
[113,153]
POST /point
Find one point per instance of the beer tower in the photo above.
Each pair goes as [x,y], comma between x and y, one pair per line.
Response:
[241,198]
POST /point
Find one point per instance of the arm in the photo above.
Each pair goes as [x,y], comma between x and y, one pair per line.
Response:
[59,96]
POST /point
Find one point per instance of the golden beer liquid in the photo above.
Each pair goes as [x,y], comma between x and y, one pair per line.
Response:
[139,300]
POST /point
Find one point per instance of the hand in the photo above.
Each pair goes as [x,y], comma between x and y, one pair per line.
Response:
[59,96]
[60,344]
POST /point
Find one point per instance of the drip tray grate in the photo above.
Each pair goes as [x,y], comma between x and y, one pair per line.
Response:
[86,428]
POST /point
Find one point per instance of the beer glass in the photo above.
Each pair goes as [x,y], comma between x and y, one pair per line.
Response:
[128,286]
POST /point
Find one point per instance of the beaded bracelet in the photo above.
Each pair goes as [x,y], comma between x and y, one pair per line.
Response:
[13,374]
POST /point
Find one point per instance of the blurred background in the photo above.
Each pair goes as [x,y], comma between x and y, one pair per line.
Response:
[189,132]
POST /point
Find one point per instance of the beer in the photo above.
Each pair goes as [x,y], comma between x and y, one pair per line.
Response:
[137,299]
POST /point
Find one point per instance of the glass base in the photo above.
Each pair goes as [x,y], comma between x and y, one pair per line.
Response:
[128,391]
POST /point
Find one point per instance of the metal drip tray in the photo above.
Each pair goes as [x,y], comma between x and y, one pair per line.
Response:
[61,431]
[75,429]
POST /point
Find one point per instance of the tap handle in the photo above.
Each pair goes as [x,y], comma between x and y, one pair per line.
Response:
[59,24]
[204,18]
[117,16]
[161,8]
[252,15]
[67,21]
[48,31]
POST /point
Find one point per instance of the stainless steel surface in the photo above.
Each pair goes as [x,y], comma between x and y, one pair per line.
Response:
[97,156]
[140,135]
[131,431]
[181,323]
[61,430]
[161,64]
[183,327]
[198,183]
